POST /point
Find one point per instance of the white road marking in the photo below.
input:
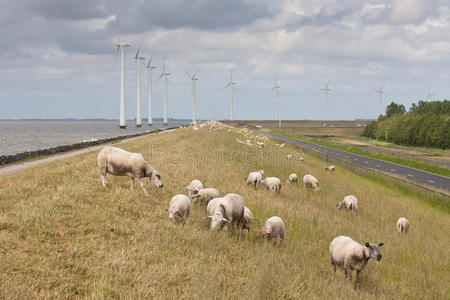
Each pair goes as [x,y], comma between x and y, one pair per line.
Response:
[355,159]
[409,175]
[393,170]
[366,161]
[346,156]
[378,166]
[430,181]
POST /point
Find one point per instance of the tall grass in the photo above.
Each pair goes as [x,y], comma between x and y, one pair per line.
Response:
[63,235]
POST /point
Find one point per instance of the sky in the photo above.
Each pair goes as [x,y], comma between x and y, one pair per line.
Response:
[58,57]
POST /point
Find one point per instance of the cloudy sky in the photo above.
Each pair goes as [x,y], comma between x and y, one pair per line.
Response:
[57,57]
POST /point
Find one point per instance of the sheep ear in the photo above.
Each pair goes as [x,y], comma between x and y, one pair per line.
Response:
[380,244]
[208,217]
[225,220]
[367,245]
[166,209]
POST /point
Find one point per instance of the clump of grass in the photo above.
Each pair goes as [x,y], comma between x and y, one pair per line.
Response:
[65,236]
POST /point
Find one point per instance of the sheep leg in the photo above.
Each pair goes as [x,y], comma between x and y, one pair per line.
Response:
[334,270]
[239,225]
[104,180]
[131,183]
[345,271]
[357,279]
[350,274]
[141,184]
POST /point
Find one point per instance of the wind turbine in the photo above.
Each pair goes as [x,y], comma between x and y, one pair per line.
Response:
[165,74]
[276,86]
[430,96]
[326,89]
[380,96]
[122,46]
[138,110]
[194,95]
[150,85]
[231,83]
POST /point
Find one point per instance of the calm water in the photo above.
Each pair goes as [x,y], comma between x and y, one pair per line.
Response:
[20,136]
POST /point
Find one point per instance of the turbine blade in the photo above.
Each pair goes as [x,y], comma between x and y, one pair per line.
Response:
[189,75]
[227,85]
[198,69]
[276,78]
[326,86]
[139,50]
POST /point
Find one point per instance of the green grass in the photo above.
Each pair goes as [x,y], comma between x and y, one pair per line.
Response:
[63,235]
[401,161]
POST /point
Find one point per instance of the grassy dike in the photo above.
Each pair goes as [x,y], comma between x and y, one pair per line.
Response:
[63,235]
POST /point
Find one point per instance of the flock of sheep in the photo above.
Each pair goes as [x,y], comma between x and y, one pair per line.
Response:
[230,209]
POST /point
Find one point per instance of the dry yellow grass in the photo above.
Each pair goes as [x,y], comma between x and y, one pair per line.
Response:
[63,235]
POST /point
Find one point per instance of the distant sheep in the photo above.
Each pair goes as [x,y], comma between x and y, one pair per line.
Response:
[350,202]
[119,162]
[289,157]
[293,178]
[204,195]
[281,145]
[274,228]
[330,168]
[180,206]
[195,184]
[403,225]
[311,182]
[261,145]
[273,184]
[350,255]
[255,178]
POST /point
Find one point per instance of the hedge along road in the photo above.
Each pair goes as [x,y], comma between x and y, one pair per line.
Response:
[422,177]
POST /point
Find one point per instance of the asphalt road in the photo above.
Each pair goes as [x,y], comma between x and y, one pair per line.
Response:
[411,174]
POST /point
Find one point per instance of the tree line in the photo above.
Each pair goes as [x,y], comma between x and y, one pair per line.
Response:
[426,124]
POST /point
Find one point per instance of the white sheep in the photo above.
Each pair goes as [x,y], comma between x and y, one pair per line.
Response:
[311,182]
[248,219]
[350,255]
[240,141]
[289,156]
[273,184]
[403,225]
[281,145]
[229,209]
[261,145]
[350,202]
[255,178]
[195,184]
[180,206]
[330,168]
[293,178]
[119,162]
[274,228]
[204,195]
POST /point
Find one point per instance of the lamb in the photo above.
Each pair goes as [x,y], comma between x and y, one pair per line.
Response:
[195,184]
[180,206]
[289,157]
[119,162]
[248,219]
[330,168]
[229,209]
[350,255]
[293,178]
[350,202]
[274,228]
[204,195]
[273,184]
[255,178]
[260,144]
[311,182]
[403,225]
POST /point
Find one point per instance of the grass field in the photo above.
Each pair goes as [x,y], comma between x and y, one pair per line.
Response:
[63,235]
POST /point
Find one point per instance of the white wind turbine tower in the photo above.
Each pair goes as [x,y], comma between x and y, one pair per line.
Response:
[326,89]
[276,86]
[430,96]
[119,45]
[165,74]
[380,96]
[138,109]
[194,95]
[231,83]
[150,85]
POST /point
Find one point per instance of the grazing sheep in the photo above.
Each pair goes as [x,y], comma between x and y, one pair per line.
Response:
[350,255]
[255,178]
[180,206]
[403,225]
[311,182]
[330,168]
[289,157]
[273,184]
[260,144]
[119,162]
[350,202]
[240,141]
[204,195]
[248,219]
[229,209]
[293,178]
[281,145]
[195,184]
[273,228]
